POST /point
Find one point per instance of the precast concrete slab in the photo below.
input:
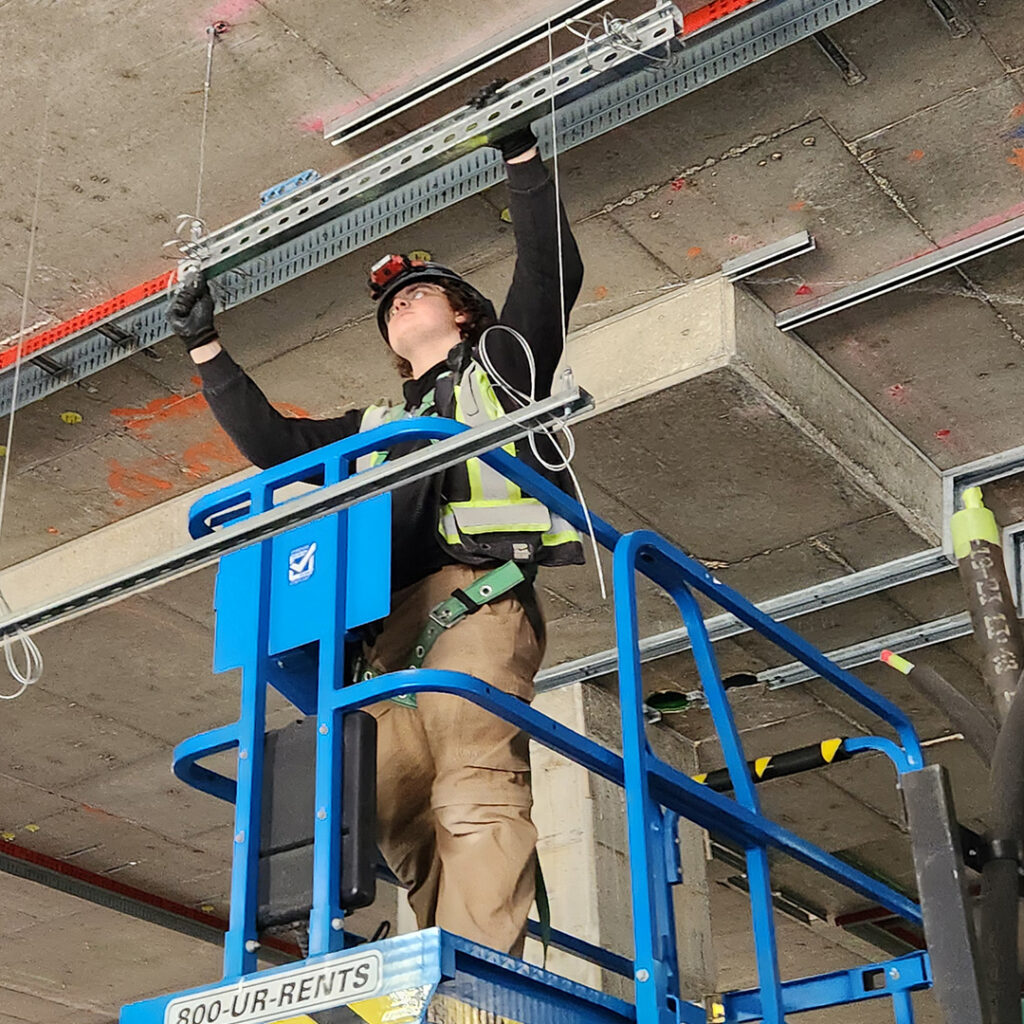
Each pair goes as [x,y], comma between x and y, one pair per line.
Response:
[804,178]
[96,956]
[947,162]
[938,364]
[94,838]
[900,79]
[999,21]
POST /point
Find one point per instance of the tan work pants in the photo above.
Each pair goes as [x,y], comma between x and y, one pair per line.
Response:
[453,780]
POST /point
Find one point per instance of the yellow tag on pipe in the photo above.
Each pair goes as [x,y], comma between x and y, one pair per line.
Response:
[829,749]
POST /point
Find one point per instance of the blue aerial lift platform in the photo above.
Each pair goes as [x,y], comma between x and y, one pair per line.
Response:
[303,590]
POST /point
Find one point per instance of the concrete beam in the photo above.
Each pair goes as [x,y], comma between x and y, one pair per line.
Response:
[713,329]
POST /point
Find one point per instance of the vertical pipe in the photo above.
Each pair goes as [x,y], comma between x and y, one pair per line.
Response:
[976,545]
[979,556]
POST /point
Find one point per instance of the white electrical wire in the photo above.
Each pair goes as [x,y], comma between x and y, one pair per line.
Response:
[33,669]
[551,432]
[617,36]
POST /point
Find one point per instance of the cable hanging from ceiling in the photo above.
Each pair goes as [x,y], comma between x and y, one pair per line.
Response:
[31,671]
[563,460]
[190,229]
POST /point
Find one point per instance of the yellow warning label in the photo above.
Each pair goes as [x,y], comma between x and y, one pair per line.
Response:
[761,766]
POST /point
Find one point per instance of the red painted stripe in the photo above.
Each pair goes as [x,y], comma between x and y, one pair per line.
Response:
[714,11]
[129,892]
[44,339]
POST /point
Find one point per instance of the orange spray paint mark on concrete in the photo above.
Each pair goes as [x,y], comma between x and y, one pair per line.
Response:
[140,481]
[159,410]
[1018,111]
[217,449]
[136,481]
[1017,159]
[600,292]
[797,206]
[694,251]
[294,411]
[915,154]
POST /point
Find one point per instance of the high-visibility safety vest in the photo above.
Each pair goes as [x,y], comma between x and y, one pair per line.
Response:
[482,516]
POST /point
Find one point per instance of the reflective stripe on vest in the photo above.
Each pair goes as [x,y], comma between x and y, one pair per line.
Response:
[496,504]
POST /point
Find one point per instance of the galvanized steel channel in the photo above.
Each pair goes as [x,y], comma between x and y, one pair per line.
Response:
[786,606]
[207,550]
[938,631]
[946,258]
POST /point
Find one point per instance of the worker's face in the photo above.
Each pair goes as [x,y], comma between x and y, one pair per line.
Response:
[420,313]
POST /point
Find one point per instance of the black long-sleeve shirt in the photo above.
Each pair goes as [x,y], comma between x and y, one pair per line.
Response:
[267,438]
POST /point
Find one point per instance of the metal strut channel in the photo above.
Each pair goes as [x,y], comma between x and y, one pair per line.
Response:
[976,474]
[352,124]
[786,606]
[467,128]
[946,258]
[209,549]
[938,631]
[746,37]
[767,256]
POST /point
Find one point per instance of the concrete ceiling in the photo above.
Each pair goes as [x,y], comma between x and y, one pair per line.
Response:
[739,463]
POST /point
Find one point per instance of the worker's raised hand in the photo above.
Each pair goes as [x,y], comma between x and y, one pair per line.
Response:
[190,312]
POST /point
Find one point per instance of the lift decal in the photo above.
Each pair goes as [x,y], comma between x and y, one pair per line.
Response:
[271,997]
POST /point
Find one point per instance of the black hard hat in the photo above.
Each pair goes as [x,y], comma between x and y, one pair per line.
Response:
[394,272]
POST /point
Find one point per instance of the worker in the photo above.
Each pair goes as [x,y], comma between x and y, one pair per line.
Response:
[453,783]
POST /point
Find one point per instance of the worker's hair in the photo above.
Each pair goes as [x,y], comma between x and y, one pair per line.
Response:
[462,299]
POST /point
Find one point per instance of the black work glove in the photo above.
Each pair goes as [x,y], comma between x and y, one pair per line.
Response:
[190,312]
[515,143]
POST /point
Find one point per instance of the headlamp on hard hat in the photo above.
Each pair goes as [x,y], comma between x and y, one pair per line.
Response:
[385,270]
[393,272]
